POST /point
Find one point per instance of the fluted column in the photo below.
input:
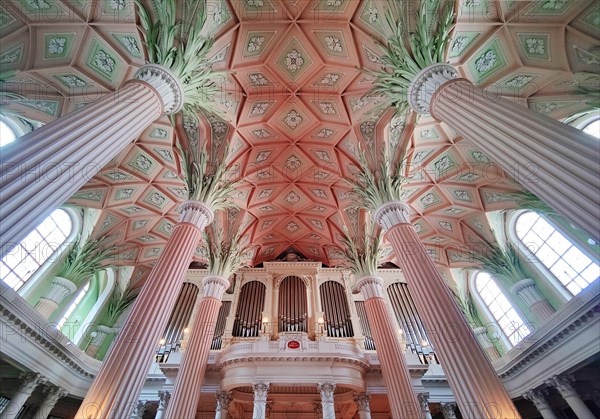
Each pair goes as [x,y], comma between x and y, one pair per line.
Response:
[327,400]
[486,344]
[448,410]
[478,390]
[260,400]
[59,289]
[120,380]
[362,404]
[538,398]
[44,168]
[188,384]
[424,401]
[551,159]
[223,400]
[528,292]
[564,385]
[29,384]
[163,402]
[401,395]
[51,396]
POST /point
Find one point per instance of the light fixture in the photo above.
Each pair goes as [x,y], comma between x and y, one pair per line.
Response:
[161,342]
[265,321]
[186,331]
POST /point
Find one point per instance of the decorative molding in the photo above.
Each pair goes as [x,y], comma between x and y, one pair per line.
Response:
[166,84]
[426,83]
[196,213]
[214,286]
[370,287]
[392,213]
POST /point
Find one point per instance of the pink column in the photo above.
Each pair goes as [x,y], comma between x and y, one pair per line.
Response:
[188,385]
[478,390]
[115,390]
[42,169]
[401,395]
[555,161]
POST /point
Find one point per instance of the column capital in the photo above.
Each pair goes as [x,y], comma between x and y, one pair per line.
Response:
[392,213]
[423,399]
[426,83]
[214,286]
[260,391]
[196,213]
[59,288]
[362,401]
[140,408]
[448,410]
[223,399]
[370,287]
[537,396]
[563,383]
[165,83]
[527,290]
[163,397]
[30,381]
[326,389]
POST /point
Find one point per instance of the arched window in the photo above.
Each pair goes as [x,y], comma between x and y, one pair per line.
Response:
[73,306]
[7,132]
[24,259]
[573,268]
[500,308]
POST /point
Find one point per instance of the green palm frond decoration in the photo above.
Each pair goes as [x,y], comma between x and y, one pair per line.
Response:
[502,262]
[363,252]
[467,306]
[375,188]
[84,259]
[206,179]
[406,54]
[224,254]
[181,46]
[119,301]
[592,95]
[528,200]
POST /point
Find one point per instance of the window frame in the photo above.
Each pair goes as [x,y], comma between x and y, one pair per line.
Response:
[533,260]
[487,312]
[29,287]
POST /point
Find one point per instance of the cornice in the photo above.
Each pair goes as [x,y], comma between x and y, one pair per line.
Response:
[18,314]
[565,323]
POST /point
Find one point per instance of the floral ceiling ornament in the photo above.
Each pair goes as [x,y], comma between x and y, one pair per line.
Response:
[535,46]
[486,61]
[294,60]
[333,43]
[293,119]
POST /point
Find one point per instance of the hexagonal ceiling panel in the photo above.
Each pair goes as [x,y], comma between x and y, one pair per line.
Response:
[297,114]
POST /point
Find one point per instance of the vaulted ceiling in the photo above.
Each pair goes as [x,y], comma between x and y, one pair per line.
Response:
[296,114]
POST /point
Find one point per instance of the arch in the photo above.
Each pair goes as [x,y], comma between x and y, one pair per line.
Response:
[39,249]
[566,264]
[499,308]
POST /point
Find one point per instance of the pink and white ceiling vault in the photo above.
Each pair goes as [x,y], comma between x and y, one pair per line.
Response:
[296,114]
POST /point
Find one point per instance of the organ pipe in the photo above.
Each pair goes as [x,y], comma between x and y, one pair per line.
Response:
[337,313]
[365,326]
[181,314]
[410,321]
[293,305]
[248,319]
[220,325]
